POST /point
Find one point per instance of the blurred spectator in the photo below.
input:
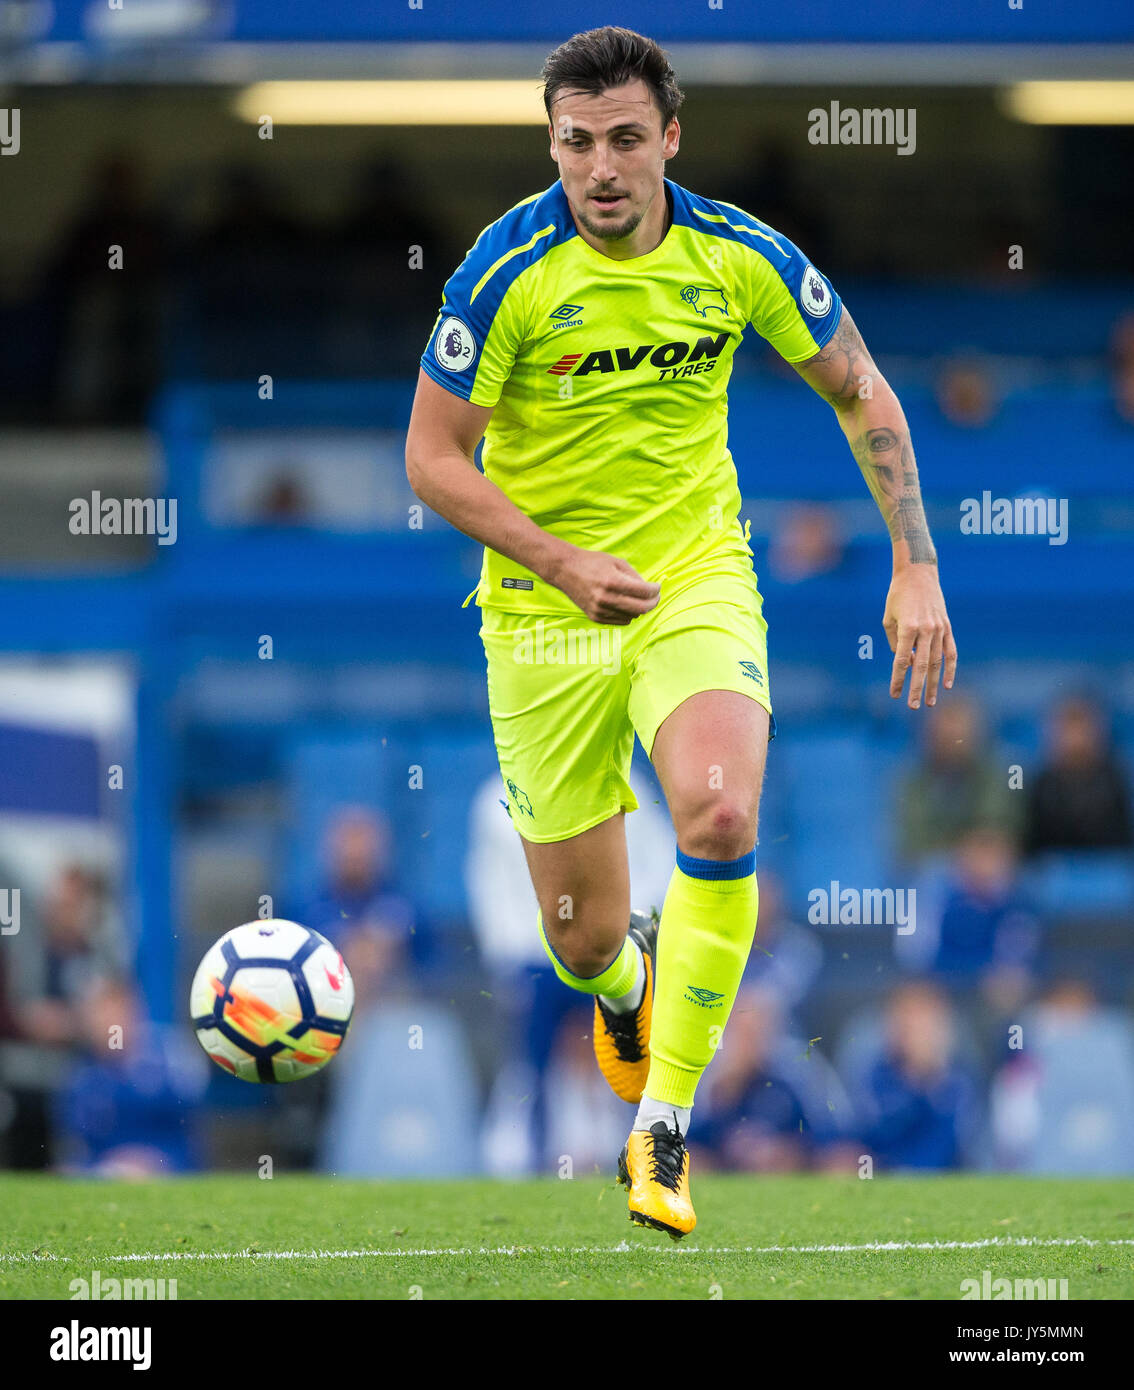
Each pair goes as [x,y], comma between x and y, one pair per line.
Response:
[68,936]
[250,217]
[77,940]
[23,1116]
[985,935]
[390,234]
[918,1103]
[769,1103]
[390,213]
[228,306]
[403,1096]
[957,785]
[1122,367]
[283,498]
[806,543]
[1064,1103]
[766,184]
[588,1124]
[25,1126]
[1080,799]
[76,950]
[10,1025]
[402,1100]
[966,394]
[361,911]
[360,908]
[786,958]
[131,1106]
[108,360]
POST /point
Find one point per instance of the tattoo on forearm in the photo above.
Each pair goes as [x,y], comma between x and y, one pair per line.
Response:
[882,454]
[844,374]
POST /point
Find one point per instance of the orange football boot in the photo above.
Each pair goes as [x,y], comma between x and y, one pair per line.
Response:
[622,1041]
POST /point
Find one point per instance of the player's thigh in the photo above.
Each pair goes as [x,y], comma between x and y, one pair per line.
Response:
[701,705]
[561,724]
[564,741]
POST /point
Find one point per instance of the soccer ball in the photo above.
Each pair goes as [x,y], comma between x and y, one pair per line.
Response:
[271,1001]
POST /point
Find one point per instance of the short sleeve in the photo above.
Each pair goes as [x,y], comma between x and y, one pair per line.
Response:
[478,332]
[793,305]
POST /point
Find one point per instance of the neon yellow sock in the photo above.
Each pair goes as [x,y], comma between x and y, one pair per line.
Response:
[707,926]
[617,979]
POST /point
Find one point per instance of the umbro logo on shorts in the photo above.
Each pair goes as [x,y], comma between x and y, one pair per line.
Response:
[753,671]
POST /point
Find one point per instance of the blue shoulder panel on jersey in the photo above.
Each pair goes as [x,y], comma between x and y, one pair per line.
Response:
[476,289]
[814,295]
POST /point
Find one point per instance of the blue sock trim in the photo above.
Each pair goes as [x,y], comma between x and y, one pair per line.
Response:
[717,868]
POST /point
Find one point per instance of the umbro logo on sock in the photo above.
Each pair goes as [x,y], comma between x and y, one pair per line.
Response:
[707,998]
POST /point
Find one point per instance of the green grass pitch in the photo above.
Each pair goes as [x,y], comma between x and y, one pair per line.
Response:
[307,1237]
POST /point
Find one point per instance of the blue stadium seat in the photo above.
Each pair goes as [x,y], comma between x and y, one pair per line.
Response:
[324,771]
[1078,884]
[400,1110]
[1018,452]
[837,808]
[433,823]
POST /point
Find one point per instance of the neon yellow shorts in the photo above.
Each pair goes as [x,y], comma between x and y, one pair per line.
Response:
[567,695]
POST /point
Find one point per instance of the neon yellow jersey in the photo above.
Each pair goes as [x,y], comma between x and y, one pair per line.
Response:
[609,377]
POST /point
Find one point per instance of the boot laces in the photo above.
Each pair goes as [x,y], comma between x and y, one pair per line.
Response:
[623,1029]
[667,1159]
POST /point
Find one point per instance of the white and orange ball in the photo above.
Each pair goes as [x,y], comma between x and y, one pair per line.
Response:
[271,1001]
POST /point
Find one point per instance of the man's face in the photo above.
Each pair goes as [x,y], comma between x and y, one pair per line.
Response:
[1078,738]
[611,152]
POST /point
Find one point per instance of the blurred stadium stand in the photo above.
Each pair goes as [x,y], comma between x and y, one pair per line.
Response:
[294,518]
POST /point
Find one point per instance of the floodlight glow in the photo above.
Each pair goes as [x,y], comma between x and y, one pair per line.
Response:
[393,103]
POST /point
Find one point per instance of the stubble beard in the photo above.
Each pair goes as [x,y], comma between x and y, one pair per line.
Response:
[608,231]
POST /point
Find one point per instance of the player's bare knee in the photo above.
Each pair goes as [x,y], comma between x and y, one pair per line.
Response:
[586,934]
[724,830]
[585,955]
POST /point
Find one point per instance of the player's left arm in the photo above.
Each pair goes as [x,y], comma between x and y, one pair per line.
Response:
[915,620]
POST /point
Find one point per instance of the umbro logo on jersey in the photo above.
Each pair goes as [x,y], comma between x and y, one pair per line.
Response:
[703,299]
[567,316]
[674,359]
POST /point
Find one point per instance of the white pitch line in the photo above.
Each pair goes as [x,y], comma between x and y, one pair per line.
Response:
[1003,1242]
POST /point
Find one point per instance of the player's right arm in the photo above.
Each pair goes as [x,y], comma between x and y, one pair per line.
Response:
[444,431]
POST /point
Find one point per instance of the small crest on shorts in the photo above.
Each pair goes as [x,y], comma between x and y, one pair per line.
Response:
[520,797]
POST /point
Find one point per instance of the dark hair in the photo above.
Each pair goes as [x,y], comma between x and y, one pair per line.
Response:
[610,57]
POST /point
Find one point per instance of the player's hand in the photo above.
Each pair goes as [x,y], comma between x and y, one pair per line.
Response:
[920,635]
[607,589]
